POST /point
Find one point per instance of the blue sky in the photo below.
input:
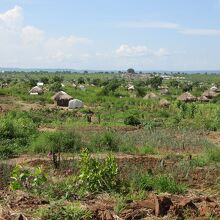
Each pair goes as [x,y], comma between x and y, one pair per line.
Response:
[110,34]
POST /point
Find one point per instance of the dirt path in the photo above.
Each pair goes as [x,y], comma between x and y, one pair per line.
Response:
[8,103]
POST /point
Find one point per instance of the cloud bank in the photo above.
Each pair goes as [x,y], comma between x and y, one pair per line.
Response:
[171,26]
[29,46]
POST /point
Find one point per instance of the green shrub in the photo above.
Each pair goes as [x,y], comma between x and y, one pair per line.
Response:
[106,141]
[6,152]
[57,142]
[140,91]
[64,189]
[25,179]
[214,154]
[16,125]
[97,175]
[147,150]
[55,87]
[132,120]
[160,183]
[61,211]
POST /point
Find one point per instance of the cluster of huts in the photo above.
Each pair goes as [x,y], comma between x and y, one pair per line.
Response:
[205,97]
[61,98]
[185,97]
[65,100]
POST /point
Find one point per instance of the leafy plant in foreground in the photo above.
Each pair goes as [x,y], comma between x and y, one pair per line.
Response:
[97,175]
[160,183]
[60,211]
[25,179]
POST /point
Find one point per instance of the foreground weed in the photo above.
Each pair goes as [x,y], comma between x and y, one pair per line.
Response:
[60,211]
[147,150]
[25,179]
[160,183]
[96,175]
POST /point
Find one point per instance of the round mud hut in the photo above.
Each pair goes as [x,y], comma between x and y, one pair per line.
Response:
[62,98]
[150,95]
[210,94]
[36,90]
[164,103]
[203,99]
[187,97]
[164,91]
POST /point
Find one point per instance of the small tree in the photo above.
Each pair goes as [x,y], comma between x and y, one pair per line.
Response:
[155,82]
[81,80]
[44,79]
[132,120]
[55,87]
[140,91]
[57,79]
[131,71]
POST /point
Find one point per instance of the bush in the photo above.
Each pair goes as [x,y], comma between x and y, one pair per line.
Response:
[132,120]
[97,175]
[214,155]
[6,152]
[64,189]
[16,125]
[147,150]
[57,142]
[160,183]
[107,141]
[60,211]
[25,179]
[140,91]
[55,87]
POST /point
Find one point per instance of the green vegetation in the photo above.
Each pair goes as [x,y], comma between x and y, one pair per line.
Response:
[160,183]
[24,179]
[60,211]
[96,176]
[122,144]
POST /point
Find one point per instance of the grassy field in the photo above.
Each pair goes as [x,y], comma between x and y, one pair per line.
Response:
[114,156]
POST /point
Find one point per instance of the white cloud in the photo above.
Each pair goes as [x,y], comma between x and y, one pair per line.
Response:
[171,26]
[138,51]
[30,35]
[162,52]
[201,32]
[29,46]
[149,24]
[12,18]
[66,42]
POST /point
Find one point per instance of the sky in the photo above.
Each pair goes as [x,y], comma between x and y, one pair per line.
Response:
[110,34]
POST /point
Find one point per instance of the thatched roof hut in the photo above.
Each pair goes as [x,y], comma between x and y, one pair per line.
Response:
[209,94]
[36,90]
[164,91]
[62,98]
[203,99]
[187,97]
[150,95]
[164,103]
